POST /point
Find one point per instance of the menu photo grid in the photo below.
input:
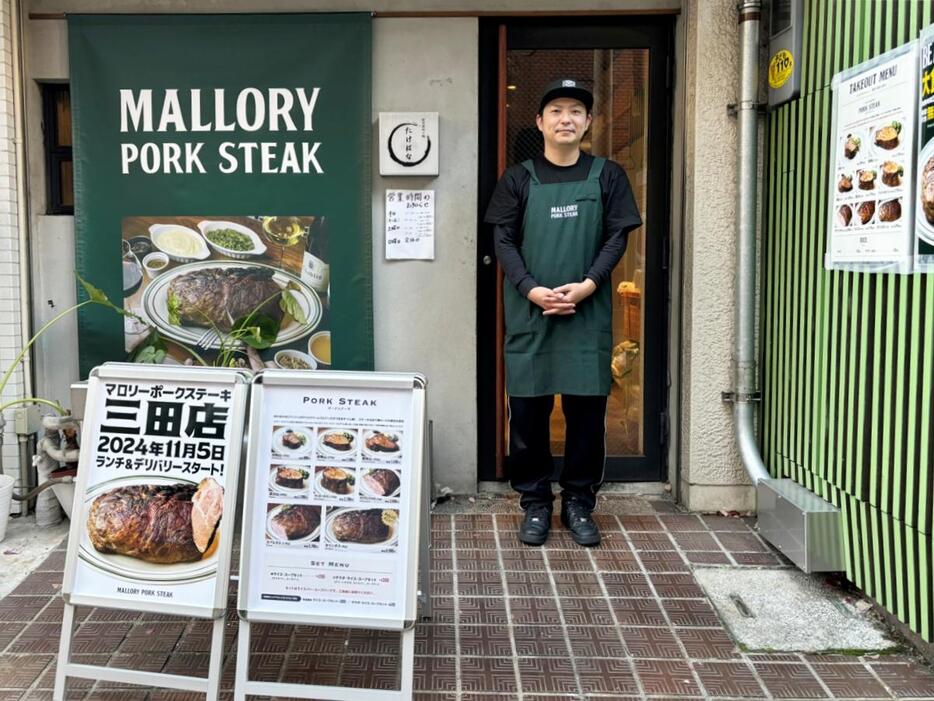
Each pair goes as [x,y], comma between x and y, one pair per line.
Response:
[334,488]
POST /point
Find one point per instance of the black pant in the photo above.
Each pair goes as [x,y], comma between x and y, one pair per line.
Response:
[530,461]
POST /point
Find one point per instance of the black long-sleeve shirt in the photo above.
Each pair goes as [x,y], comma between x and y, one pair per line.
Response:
[507,208]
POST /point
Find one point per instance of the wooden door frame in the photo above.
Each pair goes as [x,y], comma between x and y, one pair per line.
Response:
[655,33]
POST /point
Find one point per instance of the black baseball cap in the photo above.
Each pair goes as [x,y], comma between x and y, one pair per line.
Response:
[566,87]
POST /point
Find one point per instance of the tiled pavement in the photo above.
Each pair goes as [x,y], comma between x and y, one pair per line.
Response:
[622,621]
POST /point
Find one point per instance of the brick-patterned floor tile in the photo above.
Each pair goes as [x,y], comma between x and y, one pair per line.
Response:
[626,584]
[638,612]
[652,540]
[384,643]
[576,584]
[586,612]
[8,632]
[741,542]
[539,641]
[690,612]
[489,584]
[102,615]
[94,637]
[704,557]
[707,643]
[485,611]
[547,675]
[524,560]
[670,677]
[477,540]
[37,638]
[732,679]
[616,561]
[480,641]
[652,643]
[534,611]
[152,637]
[298,669]
[606,676]
[435,674]
[40,583]
[441,583]
[528,583]
[473,522]
[595,641]
[371,672]
[662,561]
[21,609]
[20,671]
[677,586]
[906,679]
[438,640]
[482,560]
[641,523]
[850,681]
[758,559]
[488,674]
[682,522]
[442,609]
[577,560]
[790,681]
[695,541]
[441,560]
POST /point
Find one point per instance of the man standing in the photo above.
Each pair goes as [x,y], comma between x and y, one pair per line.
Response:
[561,223]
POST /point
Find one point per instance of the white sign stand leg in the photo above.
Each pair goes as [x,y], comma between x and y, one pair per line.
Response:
[244,687]
[209,685]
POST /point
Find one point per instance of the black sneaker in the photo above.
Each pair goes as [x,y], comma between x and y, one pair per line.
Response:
[576,517]
[535,525]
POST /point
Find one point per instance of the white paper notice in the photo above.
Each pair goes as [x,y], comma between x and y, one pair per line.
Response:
[870,218]
[410,224]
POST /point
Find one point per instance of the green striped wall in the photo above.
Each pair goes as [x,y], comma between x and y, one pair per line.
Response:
[848,358]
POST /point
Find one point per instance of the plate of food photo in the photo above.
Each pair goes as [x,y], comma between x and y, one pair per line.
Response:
[380,482]
[925,218]
[153,528]
[188,302]
[288,479]
[231,239]
[363,529]
[293,441]
[337,443]
[381,445]
[293,523]
[335,481]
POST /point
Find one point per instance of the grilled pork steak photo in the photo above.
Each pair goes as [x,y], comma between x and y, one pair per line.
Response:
[890,211]
[294,521]
[382,443]
[221,297]
[364,527]
[381,482]
[159,523]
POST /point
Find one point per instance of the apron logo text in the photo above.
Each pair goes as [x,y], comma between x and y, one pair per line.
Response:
[564,212]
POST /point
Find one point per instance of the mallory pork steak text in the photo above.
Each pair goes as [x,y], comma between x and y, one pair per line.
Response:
[159,523]
[220,297]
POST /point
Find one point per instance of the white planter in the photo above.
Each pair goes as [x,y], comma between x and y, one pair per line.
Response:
[65,493]
[6,499]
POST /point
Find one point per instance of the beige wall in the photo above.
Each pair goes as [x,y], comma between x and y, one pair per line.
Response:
[440,340]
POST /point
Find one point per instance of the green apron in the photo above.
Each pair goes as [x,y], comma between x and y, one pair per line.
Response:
[562,233]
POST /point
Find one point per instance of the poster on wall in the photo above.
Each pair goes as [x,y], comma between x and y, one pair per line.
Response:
[871,206]
[333,480]
[924,192]
[156,493]
[222,188]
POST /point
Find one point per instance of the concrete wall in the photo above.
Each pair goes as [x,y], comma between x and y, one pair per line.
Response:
[712,475]
[425,312]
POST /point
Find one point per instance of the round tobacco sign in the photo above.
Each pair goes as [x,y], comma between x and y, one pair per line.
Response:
[780,68]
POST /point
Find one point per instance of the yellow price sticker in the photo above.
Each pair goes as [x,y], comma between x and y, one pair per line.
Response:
[780,68]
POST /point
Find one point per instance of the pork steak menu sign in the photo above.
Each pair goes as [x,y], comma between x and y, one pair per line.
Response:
[331,480]
[222,187]
[871,217]
[154,511]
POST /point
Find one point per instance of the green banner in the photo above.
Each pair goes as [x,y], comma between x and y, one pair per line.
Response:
[222,187]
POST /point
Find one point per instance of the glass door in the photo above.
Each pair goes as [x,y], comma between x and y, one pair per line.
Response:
[630,126]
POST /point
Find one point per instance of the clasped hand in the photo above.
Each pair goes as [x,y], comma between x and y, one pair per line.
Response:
[562,300]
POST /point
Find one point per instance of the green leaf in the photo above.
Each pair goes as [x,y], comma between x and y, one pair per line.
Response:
[151,350]
[172,302]
[256,330]
[94,294]
[289,304]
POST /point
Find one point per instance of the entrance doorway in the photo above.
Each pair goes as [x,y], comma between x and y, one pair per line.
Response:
[626,64]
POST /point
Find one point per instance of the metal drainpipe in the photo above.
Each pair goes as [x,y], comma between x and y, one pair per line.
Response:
[744,395]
